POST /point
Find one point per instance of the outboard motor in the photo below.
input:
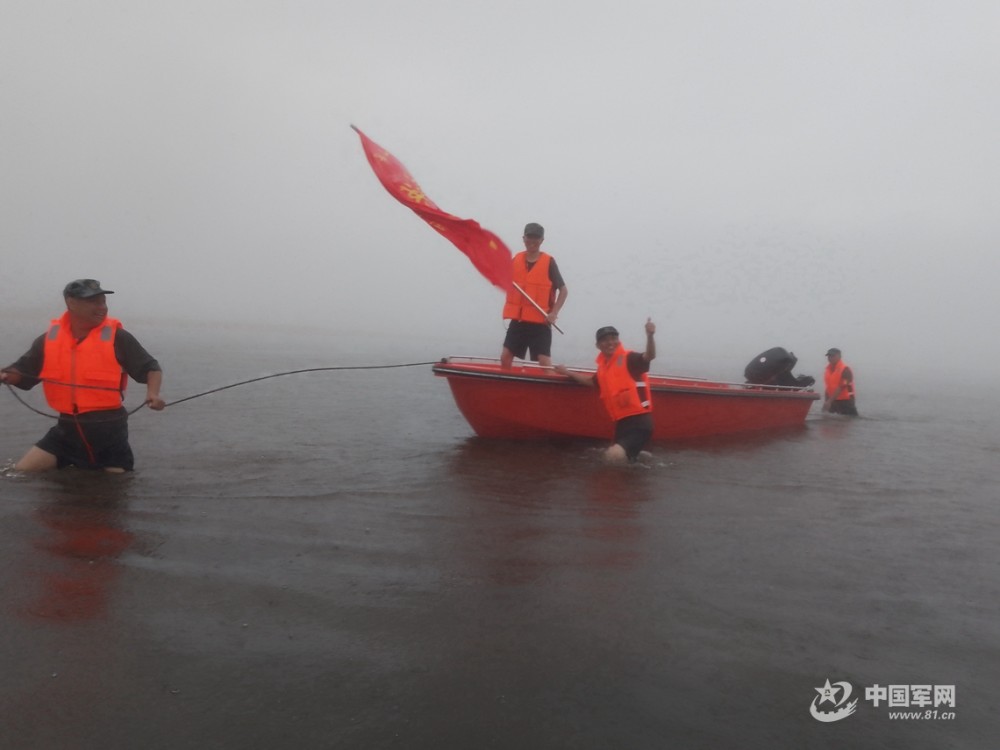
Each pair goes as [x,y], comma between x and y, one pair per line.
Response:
[774,367]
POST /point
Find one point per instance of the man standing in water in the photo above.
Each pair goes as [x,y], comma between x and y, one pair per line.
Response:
[83,362]
[623,379]
[839,382]
[538,275]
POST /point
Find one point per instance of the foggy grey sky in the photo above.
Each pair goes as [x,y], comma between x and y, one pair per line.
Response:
[749,174]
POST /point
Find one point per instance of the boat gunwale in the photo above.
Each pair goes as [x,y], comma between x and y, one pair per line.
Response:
[698,386]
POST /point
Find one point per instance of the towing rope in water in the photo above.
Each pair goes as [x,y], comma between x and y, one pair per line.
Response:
[221,388]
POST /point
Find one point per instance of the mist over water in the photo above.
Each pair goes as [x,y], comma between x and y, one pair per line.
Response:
[333,558]
[800,177]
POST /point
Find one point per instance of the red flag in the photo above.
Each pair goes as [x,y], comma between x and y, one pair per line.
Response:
[487,252]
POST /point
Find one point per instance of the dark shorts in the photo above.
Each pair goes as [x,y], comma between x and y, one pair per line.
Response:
[632,433]
[106,434]
[523,336]
[844,406]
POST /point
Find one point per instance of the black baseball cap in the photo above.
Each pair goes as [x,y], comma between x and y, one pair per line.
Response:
[84,289]
[606,331]
[833,351]
[534,230]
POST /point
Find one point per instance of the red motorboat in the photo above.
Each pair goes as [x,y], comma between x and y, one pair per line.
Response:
[528,402]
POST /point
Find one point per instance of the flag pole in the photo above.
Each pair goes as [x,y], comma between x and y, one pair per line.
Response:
[537,306]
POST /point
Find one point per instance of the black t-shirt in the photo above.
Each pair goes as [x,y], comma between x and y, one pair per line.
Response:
[133,358]
[554,275]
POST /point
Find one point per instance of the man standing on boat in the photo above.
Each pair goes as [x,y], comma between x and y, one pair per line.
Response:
[623,379]
[537,275]
[84,361]
[839,386]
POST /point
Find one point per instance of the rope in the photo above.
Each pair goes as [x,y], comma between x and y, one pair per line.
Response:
[221,388]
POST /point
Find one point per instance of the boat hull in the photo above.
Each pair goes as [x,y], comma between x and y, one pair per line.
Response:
[531,403]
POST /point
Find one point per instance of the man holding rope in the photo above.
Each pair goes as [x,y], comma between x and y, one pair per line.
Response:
[84,361]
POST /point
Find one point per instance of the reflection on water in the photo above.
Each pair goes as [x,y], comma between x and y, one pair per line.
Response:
[741,441]
[612,515]
[542,509]
[80,536]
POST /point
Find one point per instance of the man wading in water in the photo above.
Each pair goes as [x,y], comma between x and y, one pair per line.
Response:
[622,377]
[84,361]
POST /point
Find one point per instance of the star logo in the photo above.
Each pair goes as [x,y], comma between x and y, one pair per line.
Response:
[412,193]
[828,693]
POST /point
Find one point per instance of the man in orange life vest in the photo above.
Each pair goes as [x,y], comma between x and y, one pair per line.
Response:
[623,379]
[839,386]
[538,275]
[83,362]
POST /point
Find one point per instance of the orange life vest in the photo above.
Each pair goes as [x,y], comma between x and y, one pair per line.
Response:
[536,283]
[90,362]
[623,396]
[834,378]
